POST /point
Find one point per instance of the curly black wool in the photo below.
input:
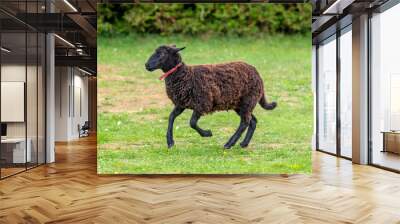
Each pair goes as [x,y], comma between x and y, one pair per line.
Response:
[209,88]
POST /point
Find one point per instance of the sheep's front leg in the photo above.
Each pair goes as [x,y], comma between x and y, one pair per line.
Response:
[175,113]
[244,123]
[193,124]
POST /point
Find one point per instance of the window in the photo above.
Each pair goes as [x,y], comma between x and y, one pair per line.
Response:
[14,147]
[327,95]
[385,89]
[22,77]
[346,92]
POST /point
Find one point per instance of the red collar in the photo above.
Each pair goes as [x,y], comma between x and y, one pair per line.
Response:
[172,70]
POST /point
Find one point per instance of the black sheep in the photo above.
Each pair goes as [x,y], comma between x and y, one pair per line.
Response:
[208,88]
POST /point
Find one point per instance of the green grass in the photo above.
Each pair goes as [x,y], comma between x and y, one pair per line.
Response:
[132,138]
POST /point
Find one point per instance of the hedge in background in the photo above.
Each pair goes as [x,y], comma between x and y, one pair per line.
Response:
[194,19]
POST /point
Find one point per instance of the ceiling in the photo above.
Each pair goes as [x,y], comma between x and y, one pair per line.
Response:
[73,21]
[330,15]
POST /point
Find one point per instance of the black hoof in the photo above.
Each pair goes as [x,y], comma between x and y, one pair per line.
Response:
[244,145]
[206,133]
[170,144]
[227,146]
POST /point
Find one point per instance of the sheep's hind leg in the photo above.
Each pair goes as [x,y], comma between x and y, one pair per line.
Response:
[244,123]
[175,113]
[193,124]
[250,132]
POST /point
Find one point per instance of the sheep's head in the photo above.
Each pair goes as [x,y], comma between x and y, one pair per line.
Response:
[164,58]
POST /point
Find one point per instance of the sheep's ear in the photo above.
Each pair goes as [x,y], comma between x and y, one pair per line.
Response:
[178,49]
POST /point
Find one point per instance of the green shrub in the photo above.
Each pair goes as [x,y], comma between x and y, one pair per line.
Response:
[195,19]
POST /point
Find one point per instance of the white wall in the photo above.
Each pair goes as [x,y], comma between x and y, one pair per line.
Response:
[12,73]
[80,109]
[62,81]
[33,126]
[71,94]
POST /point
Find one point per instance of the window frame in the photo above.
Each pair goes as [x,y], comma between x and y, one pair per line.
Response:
[341,27]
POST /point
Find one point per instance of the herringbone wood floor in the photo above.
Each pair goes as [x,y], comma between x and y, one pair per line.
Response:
[70,191]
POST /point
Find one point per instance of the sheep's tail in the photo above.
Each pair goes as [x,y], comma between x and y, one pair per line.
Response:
[268,106]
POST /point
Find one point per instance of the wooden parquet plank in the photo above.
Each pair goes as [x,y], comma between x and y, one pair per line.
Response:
[70,191]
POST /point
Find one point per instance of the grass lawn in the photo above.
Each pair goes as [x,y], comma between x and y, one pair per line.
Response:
[134,108]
